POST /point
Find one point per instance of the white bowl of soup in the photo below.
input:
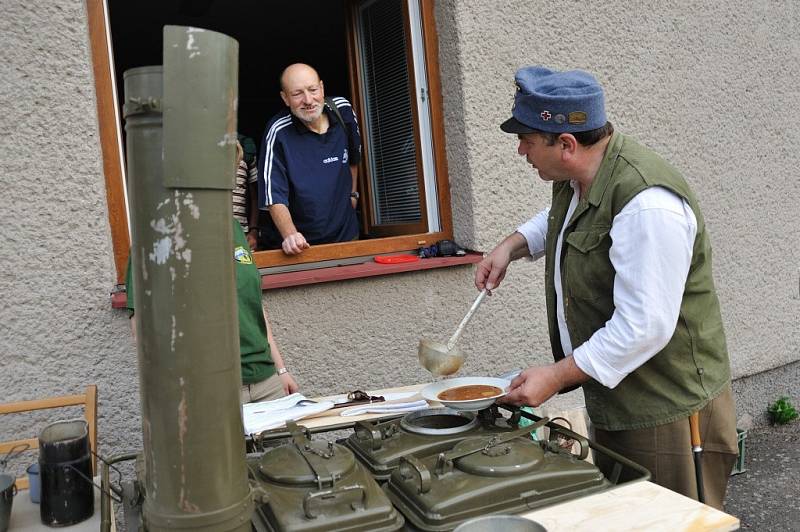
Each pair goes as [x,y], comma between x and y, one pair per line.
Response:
[466,393]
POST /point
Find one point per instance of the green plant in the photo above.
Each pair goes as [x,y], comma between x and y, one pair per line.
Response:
[782,411]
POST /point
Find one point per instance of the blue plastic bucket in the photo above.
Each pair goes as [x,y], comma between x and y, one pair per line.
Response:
[34,486]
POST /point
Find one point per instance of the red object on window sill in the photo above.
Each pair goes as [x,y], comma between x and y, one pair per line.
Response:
[395,259]
[340,273]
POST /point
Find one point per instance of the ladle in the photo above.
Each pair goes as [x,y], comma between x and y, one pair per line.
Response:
[445,359]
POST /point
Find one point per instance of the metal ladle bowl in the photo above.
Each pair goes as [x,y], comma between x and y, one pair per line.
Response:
[445,359]
[436,358]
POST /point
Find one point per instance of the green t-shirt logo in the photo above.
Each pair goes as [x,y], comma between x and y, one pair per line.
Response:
[242,255]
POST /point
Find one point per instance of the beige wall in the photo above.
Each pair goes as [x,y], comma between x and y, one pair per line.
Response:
[710,85]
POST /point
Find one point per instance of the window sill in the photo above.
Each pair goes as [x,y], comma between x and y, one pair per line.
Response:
[341,273]
[364,269]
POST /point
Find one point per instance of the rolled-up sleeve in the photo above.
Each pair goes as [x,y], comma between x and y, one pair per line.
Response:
[535,231]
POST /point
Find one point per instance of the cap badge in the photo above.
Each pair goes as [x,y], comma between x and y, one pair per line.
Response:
[559,118]
[545,115]
[577,117]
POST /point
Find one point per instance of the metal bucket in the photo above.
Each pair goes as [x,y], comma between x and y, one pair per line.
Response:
[65,466]
[7,491]
[500,523]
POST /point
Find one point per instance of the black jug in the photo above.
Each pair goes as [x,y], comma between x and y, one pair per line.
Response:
[65,466]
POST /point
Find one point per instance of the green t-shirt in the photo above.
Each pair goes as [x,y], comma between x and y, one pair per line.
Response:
[256,358]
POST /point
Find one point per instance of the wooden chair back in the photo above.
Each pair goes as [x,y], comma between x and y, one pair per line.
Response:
[87,399]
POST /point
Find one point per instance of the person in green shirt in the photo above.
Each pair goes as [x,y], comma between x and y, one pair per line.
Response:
[264,374]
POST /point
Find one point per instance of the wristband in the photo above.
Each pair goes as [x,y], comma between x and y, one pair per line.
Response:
[281,371]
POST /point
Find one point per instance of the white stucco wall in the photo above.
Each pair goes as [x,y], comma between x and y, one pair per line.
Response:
[57,330]
[711,86]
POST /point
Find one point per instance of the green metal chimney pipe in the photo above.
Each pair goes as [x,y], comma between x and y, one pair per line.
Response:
[180,180]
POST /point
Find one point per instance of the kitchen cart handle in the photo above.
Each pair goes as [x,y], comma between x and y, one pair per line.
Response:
[555,432]
[367,432]
[620,460]
[106,488]
[315,501]
[410,467]
[493,441]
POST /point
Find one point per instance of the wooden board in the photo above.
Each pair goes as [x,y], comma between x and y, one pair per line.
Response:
[640,506]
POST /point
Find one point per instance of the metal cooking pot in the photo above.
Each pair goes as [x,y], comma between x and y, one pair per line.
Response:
[500,523]
[7,492]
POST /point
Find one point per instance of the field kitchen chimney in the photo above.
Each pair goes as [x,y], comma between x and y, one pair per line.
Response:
[192,474]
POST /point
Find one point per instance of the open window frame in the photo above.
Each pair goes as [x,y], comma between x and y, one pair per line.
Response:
[109,122]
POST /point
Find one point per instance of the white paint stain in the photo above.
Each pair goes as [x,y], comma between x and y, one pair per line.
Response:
[191,45]
[173,242]
[227,138]
[161,250]
[194,210]
[173,334]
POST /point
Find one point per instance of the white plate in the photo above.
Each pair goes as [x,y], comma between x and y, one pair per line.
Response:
[431,392]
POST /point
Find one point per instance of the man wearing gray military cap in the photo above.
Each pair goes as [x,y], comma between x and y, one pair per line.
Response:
[632,310]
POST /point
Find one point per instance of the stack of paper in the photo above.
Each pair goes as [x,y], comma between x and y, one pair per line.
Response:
[267,415]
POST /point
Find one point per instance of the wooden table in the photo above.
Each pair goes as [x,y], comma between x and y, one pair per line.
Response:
[636,506]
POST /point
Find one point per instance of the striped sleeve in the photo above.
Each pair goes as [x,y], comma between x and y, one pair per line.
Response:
[273,186]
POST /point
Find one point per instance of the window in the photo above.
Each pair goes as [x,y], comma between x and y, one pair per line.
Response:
[381,54]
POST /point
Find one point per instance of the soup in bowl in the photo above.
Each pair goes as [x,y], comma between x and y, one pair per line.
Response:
[466,393]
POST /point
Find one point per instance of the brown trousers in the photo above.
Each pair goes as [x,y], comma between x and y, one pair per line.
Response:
[666,450]
[266,390]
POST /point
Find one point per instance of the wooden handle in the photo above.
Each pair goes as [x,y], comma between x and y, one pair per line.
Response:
[694,428]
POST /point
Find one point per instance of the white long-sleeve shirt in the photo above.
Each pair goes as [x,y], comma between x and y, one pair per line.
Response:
[651,250]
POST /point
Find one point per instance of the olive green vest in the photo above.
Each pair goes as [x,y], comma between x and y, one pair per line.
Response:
[693,367]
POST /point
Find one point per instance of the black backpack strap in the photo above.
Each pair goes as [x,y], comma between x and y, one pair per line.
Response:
[335,110]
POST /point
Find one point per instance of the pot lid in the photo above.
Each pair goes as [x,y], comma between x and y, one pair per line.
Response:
[313,463]
[513,457]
